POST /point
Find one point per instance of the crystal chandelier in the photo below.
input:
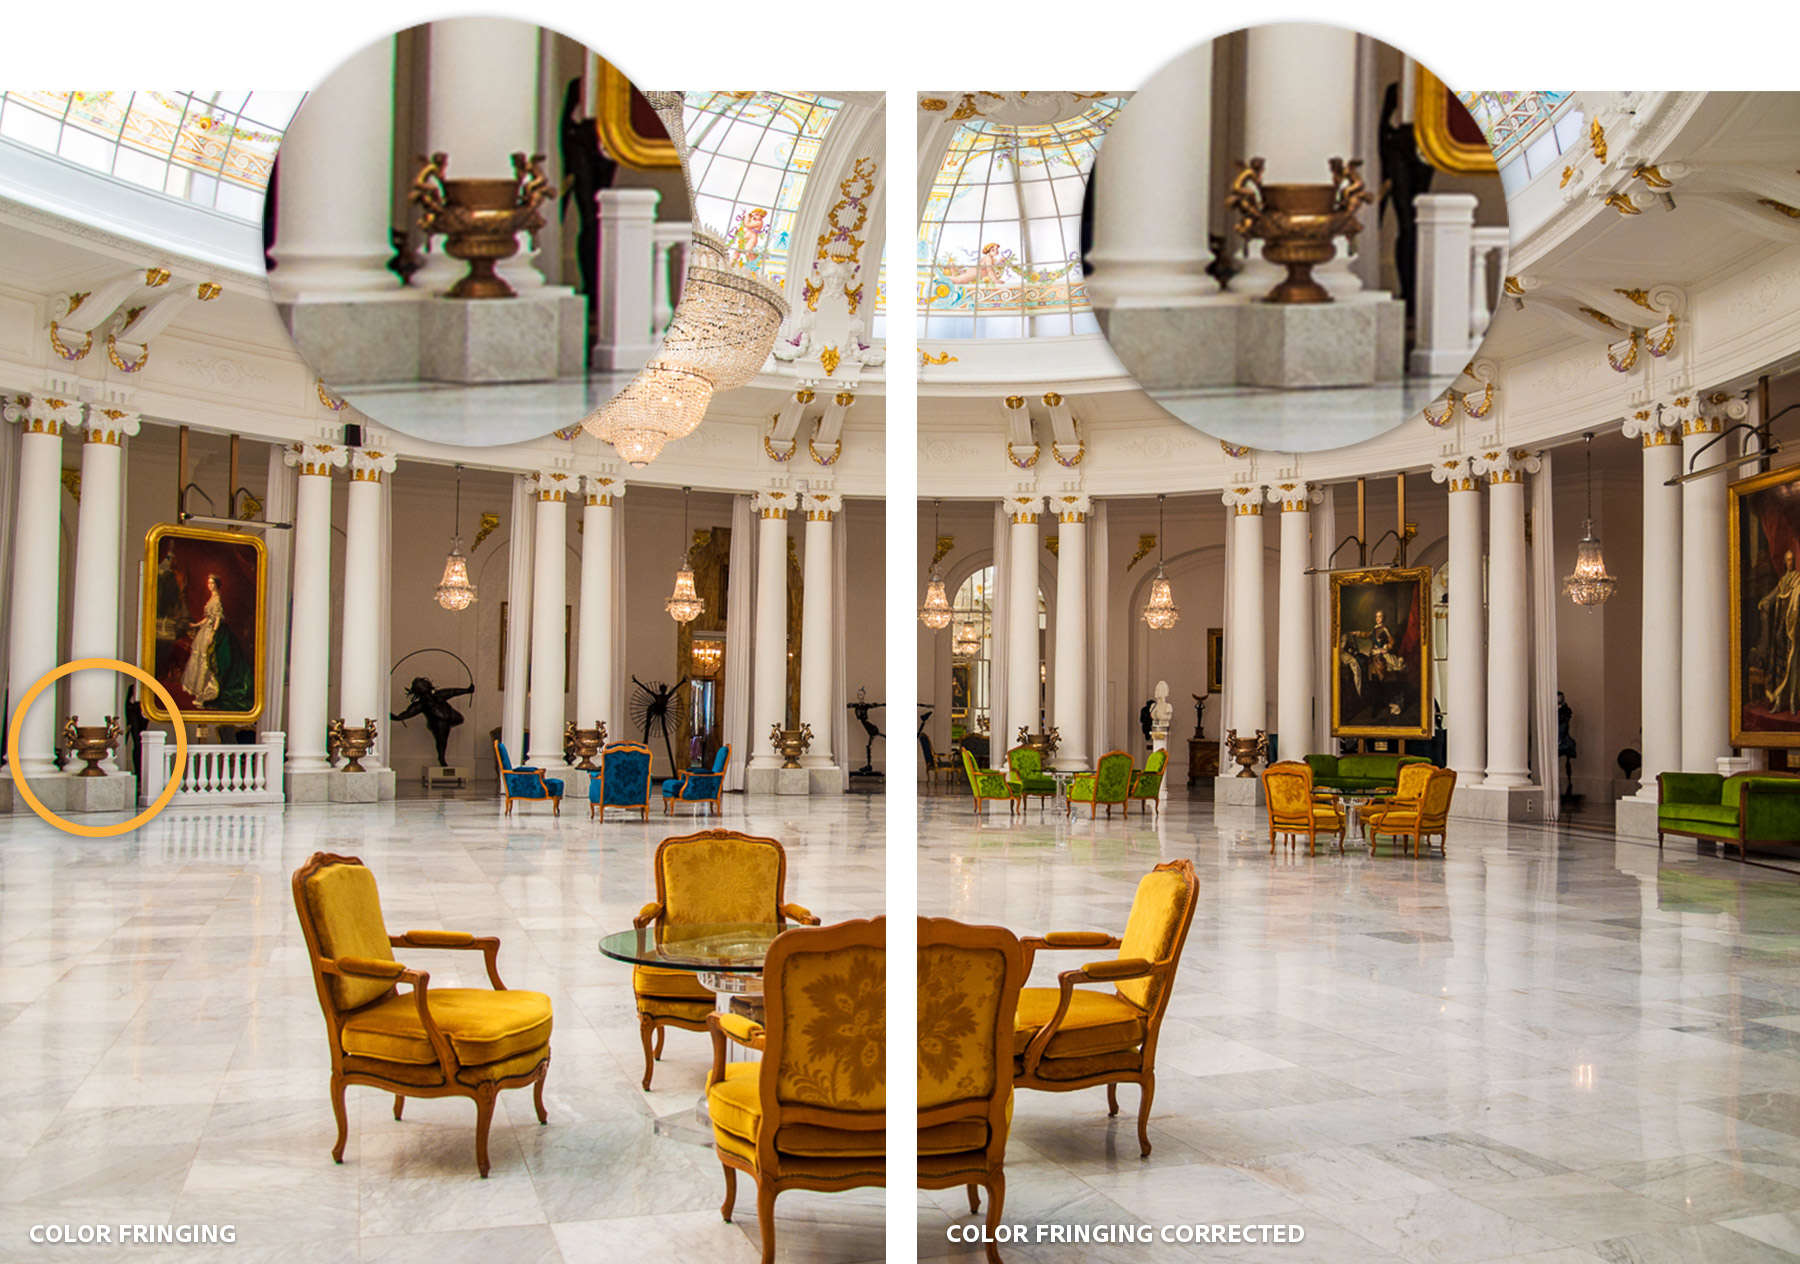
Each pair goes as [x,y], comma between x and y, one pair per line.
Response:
[935,613]
[707,653]
[966,641]
[1589,584]
[454,591]
[1161,612]
[659,404]
[685,604]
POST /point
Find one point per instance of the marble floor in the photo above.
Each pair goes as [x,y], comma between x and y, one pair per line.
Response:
[167,1058]
[1302,419]
[1549,1046]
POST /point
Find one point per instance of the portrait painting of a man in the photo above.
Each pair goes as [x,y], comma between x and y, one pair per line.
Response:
[203,605]
[1382,660]
[1765,606]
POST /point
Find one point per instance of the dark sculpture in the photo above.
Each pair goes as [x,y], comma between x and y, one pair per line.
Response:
[589,171]
[1405,175]
[1199,715]
[661,706]
[1144,718]
[862,706]
[434,704]
[1221,269]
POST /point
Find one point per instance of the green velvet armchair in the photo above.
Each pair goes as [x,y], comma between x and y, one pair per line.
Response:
[1109,784]
[1025,774]
[1146,782]
[1747,807]
[987,783]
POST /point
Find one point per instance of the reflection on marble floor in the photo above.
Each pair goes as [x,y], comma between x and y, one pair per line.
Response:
[1302,420]
[1544,1047]
[485,414]
[167,1059]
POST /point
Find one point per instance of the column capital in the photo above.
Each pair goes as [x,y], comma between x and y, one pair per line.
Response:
[1071,506]
[1456,473]
[554,485]
[367,465]
[44,414]
[1295,497]
[316,458]
[1022,507]
[774,502]
[821,504]
[1653,427]
[602,488]
[110,425]
[1715,412]
[1507,465]
[1246,499]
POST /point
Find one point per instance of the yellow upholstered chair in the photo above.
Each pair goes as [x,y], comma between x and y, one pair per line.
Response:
[969,980]
[1419,810]
[813,1112]
[443,1042]
[1294,809]
[711,878]
[1066,1039]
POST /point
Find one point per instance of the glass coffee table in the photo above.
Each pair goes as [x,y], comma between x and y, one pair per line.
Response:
[1349,802]
[727,959]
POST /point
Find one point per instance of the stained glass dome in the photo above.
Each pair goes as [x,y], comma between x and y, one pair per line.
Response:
[1528,130]
[1000,236]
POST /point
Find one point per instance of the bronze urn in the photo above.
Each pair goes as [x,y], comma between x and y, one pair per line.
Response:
[790,744]
[481,219]
[1298,223]
[90,743]
[352,743]
[1245,751]
[1044,743]
[584,744]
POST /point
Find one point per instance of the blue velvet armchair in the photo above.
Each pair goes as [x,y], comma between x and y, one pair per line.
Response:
[697,787]
[526,783]
[624,780]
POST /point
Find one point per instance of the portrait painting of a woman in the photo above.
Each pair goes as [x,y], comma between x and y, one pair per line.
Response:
[203,621]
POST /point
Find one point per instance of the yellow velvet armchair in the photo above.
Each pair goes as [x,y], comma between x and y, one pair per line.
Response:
[1066,1039]
[710,878]
[443,1042]
[1295,809]
[1419,809]
[812,1114]
[969,981]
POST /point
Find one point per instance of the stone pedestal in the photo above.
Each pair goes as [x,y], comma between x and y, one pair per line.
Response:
[1235,791]
[760,780]
[1354,343]
[1501,803]
[372,786]
[793,781]
[826,780]
[309,785]
[352,341]
[101,794]
[51,788]
[532,338]
[1178,347]
[1634,818]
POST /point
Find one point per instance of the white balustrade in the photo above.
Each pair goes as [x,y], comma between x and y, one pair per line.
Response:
[1484,244]
[667,237]
[215,772]
[1454,302]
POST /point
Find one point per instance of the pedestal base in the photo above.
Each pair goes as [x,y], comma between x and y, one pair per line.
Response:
[311,785]
[1235,791]
[371,339]
[527,339]
[760,780]
[1500,803]
[1634,818]
[1177,347]
[99,794]
[828,779]
[51,789]
[793,781]
[372,786]
[432,776]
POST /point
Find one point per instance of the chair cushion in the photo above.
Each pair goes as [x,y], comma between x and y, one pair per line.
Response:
[1117,1061]
[1157,913]
[1097,1022]
[556,786]
[482,1026]
[1713,815]
[735,1104]
[672,985]
[346,911]
[671,787]
[693,1012]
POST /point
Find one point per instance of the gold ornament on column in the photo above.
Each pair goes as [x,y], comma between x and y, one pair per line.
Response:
[935,613]
[1588,584]
[685,604]
[454,590]
[1160,612]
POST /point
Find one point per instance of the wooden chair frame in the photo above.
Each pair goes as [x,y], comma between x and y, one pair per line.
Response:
[1162,774]
[1124,804]
[598,809]
[985,1168]
[651,1028]
[1292,828]
[342,1075]
[766,1037]
[554,800]
[1144,1075]
[972,771]
[1420,832]
[669,801]
[1021,793]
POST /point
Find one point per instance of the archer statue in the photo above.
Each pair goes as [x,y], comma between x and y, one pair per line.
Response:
[434,704]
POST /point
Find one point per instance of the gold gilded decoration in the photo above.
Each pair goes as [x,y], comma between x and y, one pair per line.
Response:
[1015,401]
[251,510]
[131,315]
[944,544]
[1601,317]
[1567,173]
[1465,483]
[1440,420]
[844,399]
[154,277]
[1431,129]
[66,353]
[804,396]
[490,523]
[326,398]
[812,450]
[1597,135]
[1660,438]
[1622,203]
[1052,399]
[207,291]
[1702,425]
[71,481]
[943,357]
[1792,212]
[934,104]
[1651,176]
[780,457]
[619,136]
[1234,450]
[1146,542]
[1486,406]
[1026,462]
[1249,510]
[1299,223]
[1070,462]
[480,219]
[829,359]
[1053,542]
[1626,360]
[75,301]
[119,362]
[224,574]
[1513,288]
[839,242]
[1664,342]
[1640,297]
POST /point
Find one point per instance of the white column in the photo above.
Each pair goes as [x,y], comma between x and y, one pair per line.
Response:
[1705,603]
[1659,690]
[1446,225]
[334,197]
[627,254]
[37,537]
[94,610]
[1244,638]
[518,617]
[1150,213]
[481,109]
[1466,690]
[1509,622]
[768,697]
[549,593]
[1294,647]
[1068,708]
[594,624]
[1024,666]
[1287,62]
[817,662]
[362,692]
[309,635]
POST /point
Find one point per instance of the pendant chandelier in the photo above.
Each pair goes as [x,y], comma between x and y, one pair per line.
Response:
[685,604]
[659,404]
[935,613]
[1588,584]
[966,641]
[454,591]
[1160,612]
[707,653]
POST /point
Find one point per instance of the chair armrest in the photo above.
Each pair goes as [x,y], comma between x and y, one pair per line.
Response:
[733,1027]
[799,913]
[1106,971]
[366,967]
[487,945]
[1065,939]
[649,913]
[1131,967]
[527,768]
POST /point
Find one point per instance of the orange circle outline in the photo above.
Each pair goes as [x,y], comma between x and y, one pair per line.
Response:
[51,677]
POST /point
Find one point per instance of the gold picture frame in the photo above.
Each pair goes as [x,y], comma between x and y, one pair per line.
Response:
[184,565]
[620,132]
[1763,514]
[1385,661]
[1432,130]
[1215,660]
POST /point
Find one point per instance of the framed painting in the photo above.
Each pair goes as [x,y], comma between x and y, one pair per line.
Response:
[629,130]
[204,593]
[1765,609]
[1381,653]
[1215,660]
[1448,136]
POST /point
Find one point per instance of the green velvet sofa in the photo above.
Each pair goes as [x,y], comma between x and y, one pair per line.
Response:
[1358,772]
[1746,807]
